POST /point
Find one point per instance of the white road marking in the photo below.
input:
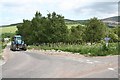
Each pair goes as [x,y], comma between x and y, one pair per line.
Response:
[90,62]
[87,60]
[96,61]
[111,69]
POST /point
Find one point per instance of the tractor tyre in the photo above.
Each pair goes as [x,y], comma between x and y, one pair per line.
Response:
[24,47]
[14,47]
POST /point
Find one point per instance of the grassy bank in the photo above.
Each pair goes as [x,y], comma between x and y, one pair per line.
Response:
[10,29]
[88,50]
[2,46]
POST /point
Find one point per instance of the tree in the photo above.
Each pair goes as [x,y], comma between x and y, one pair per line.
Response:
[25,30]
[44,29]
[113,34]
[56,29]
[95,30]
[37,28]
[76,33]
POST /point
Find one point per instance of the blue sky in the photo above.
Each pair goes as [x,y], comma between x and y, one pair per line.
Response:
[14,11]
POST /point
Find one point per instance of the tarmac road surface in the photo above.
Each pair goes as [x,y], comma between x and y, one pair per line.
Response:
[25,64]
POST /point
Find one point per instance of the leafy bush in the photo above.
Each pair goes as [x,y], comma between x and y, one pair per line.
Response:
[105,48]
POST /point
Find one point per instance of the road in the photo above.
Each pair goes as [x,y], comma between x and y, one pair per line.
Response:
[26,64]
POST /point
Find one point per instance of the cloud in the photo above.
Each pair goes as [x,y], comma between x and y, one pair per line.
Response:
[72,4]
[106,7]
[13,11]
[99,9]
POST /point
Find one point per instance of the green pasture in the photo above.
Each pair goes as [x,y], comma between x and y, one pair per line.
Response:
[13,29]
[10,29]
[70,25]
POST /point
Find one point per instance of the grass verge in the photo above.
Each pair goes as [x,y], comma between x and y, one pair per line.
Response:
[87,50]
[2,46]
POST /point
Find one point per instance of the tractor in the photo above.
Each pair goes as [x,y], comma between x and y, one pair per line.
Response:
[18,44]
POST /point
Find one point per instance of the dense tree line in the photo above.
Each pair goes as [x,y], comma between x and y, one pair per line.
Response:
[76,34]
[42,29]
[95,31]
[52,29]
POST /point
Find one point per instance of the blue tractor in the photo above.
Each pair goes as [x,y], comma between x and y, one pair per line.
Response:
[18,44]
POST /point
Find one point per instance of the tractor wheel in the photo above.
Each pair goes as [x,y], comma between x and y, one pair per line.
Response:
[11,48]
[24,47]
[14,47]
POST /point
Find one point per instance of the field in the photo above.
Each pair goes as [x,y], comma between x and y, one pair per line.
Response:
[9,29]
[70,25]
[13,29]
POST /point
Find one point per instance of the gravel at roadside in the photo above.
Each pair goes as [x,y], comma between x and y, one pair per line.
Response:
[57,53]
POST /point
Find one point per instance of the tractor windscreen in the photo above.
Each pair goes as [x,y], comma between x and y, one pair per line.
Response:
[18,38]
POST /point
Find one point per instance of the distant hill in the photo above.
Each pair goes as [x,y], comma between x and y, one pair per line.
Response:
[68,21]
[11,25]
[111,21]
[115,19]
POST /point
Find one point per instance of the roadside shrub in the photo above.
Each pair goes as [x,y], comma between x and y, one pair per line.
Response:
[87,50]
[105,48]
[118,48]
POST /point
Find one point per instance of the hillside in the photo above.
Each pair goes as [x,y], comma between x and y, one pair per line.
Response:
[115,19]
[68,21]
[9,29]
[10,25]
[111,21]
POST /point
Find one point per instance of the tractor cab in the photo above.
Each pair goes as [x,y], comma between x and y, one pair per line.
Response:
[18,39]
[18,43]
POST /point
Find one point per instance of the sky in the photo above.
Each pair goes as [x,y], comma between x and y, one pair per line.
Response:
[14,11]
